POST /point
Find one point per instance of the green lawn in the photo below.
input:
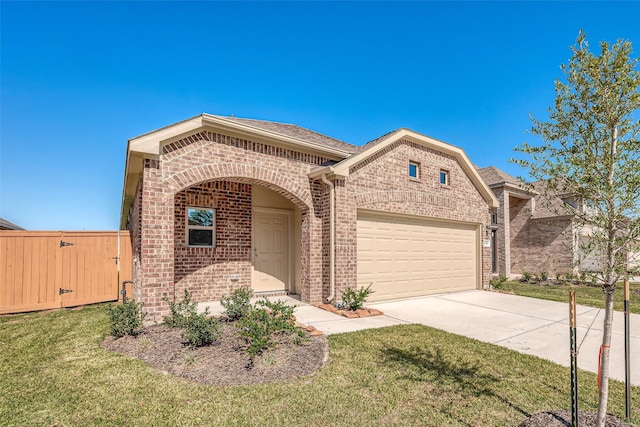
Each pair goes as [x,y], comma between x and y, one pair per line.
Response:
[53,372]
[591,296]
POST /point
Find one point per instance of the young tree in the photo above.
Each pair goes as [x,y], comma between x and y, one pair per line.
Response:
[590,150]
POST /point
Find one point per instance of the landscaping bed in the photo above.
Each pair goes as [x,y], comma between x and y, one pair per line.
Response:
[225,362]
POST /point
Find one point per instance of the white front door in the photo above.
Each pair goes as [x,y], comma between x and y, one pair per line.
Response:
[270,270]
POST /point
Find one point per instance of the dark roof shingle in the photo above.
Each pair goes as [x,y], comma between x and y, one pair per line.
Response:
[295,131]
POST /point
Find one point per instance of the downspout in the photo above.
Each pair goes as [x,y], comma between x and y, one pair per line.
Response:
[332,254]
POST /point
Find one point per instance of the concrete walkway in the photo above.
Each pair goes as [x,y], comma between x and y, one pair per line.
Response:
[527,325]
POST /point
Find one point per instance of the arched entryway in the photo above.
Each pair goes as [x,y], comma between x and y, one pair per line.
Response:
[256,234]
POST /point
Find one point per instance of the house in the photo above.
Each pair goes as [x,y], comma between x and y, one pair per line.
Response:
[529,233]
[6,225]
[215,203]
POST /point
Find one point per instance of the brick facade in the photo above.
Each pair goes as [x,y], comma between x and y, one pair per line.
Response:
[543,245]
[215,170]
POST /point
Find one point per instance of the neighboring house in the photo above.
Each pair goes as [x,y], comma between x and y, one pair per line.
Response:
[529,235]
[215,203]
[6,225]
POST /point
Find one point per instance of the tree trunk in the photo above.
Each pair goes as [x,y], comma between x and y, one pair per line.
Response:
[604,359]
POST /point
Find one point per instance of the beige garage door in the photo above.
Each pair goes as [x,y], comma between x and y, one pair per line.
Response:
[404,257]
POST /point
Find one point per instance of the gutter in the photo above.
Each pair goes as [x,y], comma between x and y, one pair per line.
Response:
[332,252]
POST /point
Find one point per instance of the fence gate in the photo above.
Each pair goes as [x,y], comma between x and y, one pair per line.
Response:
[41,270]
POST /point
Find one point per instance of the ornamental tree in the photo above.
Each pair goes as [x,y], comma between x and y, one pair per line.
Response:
[590,150]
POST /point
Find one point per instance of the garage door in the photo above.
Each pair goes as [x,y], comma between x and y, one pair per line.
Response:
[404,257]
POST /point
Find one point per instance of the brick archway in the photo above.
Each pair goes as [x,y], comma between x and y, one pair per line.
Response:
[250,174]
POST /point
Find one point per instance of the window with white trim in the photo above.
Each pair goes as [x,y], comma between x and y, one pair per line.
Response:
[414,170]
[201,227]
[444,177]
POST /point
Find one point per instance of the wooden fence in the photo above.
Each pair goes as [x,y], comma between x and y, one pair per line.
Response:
[41,270]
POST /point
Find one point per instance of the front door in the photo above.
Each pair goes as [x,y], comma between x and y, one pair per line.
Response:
[270,270]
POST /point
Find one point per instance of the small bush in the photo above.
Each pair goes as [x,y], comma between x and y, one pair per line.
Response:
[263,321]
[181,311]
[544,276]
[237,305]
[526,276]
[498,282]
[126,319]
[354,299]
[201,330]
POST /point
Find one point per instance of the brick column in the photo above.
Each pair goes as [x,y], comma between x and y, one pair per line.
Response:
[504,235]
[157,252]
[311,248]
[346,239]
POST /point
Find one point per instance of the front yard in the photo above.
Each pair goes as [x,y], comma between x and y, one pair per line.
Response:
[53,372]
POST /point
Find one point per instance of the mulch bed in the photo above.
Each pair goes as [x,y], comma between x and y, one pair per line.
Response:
[225,362]
[563,419]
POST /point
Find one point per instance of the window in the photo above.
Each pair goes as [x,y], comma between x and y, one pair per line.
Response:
[494,218]
[414,170]
[201,227]
[444,177]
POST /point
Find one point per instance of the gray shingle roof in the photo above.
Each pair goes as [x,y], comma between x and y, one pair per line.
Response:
[492,175]
[296,131]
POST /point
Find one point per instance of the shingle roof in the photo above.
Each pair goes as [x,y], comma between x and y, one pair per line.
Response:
[6,225]
[492,175]
[295,131]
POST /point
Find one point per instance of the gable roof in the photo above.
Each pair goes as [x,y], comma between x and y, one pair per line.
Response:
[342,168]
[282,133]
[344,155]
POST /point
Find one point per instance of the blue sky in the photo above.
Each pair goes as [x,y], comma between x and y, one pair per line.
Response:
[78,79]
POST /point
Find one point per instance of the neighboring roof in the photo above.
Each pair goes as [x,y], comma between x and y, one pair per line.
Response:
[295,131]
[6,225]
[343,168]
[494,176]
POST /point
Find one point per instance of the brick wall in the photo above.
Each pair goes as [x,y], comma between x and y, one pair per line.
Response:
[207,272]
[543,245]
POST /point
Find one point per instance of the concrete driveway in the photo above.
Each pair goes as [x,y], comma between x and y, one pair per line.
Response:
[527,325]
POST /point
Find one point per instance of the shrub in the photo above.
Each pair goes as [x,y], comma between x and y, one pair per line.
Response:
[355,298]
[526,276]
[544,276]
[262,321]
[126,319]
[237,305]
[498,282]
[201,330]
[181,311]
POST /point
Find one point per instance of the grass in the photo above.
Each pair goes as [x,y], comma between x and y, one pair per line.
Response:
[53,372]
[591,296]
